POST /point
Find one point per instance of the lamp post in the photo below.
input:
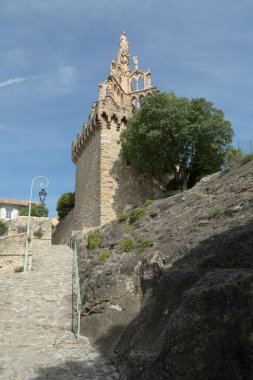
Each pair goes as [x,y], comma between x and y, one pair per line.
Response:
[42,194]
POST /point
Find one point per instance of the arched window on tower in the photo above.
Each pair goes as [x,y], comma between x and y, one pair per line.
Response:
[141,83]
[141,100]
[134,103]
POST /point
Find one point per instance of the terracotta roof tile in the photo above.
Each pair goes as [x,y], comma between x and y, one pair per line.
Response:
[16,202]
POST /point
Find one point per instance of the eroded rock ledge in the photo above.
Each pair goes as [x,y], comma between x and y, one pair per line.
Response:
[193,318]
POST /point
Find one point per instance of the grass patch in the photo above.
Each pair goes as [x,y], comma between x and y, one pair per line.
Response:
[94,241]
[145,244]
[136,214]
[123,218]
[126,229]
[104,256]
[127,245]
[216,212]
[148,202]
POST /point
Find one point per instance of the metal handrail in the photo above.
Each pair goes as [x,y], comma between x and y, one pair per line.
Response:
[73,246]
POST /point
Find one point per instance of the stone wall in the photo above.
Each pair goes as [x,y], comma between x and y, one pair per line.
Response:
[121,187]
[12,244]
[64,229]
[87,197]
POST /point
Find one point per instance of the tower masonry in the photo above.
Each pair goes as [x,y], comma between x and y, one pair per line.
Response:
[105,184]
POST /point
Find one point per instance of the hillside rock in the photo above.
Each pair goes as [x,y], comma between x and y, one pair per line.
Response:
[181,308]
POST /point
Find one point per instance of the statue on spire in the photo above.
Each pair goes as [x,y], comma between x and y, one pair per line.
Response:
[123,43]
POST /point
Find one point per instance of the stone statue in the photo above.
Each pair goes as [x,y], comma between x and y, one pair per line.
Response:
[135,59]
[123,42]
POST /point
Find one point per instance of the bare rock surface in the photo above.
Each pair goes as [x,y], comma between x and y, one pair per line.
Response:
[36,341]
[193,318]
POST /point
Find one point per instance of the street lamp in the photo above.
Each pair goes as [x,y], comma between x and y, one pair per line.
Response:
[42,194]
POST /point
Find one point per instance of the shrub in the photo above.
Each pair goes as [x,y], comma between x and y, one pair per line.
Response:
[38,210]
[65,203]
[3,227]
[127,245]
[126,229]
[145,244]
[136,214]
[104,256]
[148,202]
[94,241]
[38,233]
[123,218]
[247,158]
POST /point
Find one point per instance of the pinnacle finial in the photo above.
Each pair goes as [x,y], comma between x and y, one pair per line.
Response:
[123,41]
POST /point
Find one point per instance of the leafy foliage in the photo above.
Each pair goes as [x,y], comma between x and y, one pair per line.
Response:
[65,203]
[39,210]
[233,156]
[126,229]
[123,218]
[3,227]
[94,241]
[38,233]
[174,134]
[136,214]
[145,244]
[104,256]
[148,202]
[127,245]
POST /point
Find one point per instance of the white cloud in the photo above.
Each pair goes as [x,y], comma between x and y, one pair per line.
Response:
[11,82]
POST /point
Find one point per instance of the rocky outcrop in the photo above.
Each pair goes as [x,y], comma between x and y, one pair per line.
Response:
[178,306]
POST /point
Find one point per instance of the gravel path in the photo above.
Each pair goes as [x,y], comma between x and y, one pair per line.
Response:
[36,341]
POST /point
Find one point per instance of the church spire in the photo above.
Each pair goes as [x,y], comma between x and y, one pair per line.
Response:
[123,58]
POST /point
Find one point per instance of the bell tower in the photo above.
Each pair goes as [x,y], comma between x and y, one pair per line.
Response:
[105,184]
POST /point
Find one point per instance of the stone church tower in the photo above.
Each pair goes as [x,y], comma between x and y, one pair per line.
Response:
[105,184]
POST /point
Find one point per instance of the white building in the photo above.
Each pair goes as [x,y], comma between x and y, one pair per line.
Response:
[9,208]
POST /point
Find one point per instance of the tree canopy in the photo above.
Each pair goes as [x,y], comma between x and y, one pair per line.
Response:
[175,134]
[36,210]
[64,204]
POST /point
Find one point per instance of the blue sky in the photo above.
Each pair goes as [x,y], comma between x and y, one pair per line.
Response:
[54,53]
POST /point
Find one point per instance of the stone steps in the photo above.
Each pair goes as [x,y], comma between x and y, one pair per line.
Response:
[36,319]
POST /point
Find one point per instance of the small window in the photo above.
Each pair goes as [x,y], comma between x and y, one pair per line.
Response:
[8,213]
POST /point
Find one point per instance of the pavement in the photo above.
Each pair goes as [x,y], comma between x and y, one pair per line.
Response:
[36,339]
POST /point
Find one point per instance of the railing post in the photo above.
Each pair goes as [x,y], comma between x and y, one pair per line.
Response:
[73,246]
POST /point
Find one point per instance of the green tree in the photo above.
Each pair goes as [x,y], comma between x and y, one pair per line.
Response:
[233,156]
[174,134]
[65,203]
[36,210]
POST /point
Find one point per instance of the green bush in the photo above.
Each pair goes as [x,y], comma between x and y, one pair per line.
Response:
[104,256]
[38,233]
[123,218]
[127,245]
[3,227]
[148,202]
[38,210]
[94,241]
[136,214]
[145,244]
[65,203]
[126,229]
[247,158]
